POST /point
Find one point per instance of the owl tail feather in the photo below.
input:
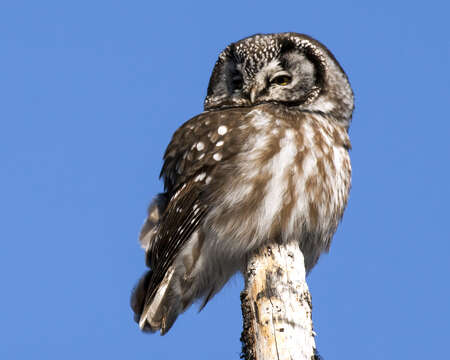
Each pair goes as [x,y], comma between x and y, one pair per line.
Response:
[157,312]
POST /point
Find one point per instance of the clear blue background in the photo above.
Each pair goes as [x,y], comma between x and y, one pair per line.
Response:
[90,94]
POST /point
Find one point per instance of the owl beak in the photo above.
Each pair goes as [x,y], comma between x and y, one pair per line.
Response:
[253,94]
[255,91]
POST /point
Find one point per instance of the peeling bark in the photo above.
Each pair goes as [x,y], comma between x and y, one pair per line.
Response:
[276,306]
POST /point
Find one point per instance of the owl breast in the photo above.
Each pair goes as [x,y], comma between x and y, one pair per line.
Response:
[290,180]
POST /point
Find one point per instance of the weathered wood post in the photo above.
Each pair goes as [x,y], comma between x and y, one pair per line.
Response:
[276,306]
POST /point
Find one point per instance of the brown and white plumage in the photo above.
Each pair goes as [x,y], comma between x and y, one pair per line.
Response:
[267,161]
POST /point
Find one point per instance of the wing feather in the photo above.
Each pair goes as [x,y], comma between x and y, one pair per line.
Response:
[181,218]
[196,152]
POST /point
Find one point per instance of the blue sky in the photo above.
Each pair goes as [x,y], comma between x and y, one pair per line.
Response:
[91,93]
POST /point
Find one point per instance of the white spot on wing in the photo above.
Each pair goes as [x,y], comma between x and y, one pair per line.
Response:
[200,177]
[200,146]
[217,156]
[222,130]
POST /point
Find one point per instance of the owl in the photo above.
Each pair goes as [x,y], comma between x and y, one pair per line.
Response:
[267,161]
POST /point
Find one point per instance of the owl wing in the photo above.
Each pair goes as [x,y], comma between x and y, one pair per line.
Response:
[182,216]
[196,152]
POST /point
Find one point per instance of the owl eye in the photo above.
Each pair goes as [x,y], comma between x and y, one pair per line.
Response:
[236,83]
[281,80]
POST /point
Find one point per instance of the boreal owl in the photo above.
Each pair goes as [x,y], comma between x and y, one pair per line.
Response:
[267,161]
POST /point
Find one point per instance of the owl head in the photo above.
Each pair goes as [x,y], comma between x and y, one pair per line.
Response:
[289,69]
